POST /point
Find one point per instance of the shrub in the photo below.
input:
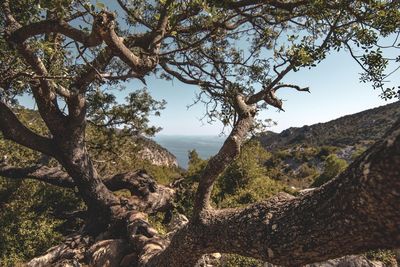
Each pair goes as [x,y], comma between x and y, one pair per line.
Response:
[333,167]
[29,220]
[233,260]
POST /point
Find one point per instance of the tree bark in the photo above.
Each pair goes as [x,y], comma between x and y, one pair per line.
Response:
[228,152]
[356,212]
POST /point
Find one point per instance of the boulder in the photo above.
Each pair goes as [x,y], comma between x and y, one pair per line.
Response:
[348,261]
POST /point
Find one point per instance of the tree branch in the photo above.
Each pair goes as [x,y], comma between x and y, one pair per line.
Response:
[146,194]
[263,94]
[140,64]
[228,152]
[356,212]
[45,98]
[50,175]
[14,130]
[91,70]
[57,26]
[149,196]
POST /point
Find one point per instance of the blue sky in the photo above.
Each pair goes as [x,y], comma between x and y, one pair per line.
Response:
[335,91]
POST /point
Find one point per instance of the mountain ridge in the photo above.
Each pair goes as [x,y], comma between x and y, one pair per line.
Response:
[362,127]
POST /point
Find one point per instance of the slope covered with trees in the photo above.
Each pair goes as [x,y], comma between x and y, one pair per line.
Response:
[364,127]
[70,55]
[313,154]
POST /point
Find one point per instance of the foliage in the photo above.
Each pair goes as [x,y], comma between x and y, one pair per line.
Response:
[246,167]
[30,218]
[388,257]
[232,260]
[132,117]
[333,167]
[307,172]
[33,214]
[358,151]
[185,197]
[257,189]
[193,41]
[195,165]
[245,180]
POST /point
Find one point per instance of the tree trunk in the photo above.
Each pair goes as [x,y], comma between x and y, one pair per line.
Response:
[102,204]
[356,212]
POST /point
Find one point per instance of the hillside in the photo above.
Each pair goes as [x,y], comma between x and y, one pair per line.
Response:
[145,148]
[155,153]
[311,155]
[359,128]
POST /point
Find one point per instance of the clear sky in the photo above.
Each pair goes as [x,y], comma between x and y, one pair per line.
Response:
[335,91]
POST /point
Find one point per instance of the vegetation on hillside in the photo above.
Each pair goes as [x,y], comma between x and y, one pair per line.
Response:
[362,128]
[35,216]
[29,206]
[71,56]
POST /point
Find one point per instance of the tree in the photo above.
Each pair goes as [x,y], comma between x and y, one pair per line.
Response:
[333,166]
[67,53]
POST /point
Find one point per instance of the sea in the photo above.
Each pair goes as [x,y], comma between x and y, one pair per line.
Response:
[180,145]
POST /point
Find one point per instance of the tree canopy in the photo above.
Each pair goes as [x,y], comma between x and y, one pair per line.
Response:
[70,55]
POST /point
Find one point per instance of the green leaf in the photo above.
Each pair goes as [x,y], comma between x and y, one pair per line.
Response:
[100,5]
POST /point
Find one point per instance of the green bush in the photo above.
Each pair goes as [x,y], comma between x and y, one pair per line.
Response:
[257,189]
[333,167]
[388,257]
[248,166]
[233,260]
[29,220]
[306,171]
[358,151]
[195,165]
[245,180]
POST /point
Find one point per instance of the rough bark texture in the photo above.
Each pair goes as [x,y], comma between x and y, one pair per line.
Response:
[357,211]
[228,152]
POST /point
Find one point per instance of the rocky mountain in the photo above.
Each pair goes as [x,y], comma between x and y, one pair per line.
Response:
[360,128]
[311,155]
[157,155]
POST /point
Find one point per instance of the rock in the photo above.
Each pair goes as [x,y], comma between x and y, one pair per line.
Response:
[107,253]
[154,153]
[216,256]
[358,128]
[349,261]
[346,261]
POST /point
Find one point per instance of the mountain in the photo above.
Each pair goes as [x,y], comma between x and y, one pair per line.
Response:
[311,155]
[147,149]
[360,128]
[180,145]
[155,153]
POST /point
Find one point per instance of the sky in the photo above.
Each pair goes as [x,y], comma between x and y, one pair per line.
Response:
[335,91]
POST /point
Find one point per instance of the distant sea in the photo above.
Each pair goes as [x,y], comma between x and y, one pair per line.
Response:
[206,146]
